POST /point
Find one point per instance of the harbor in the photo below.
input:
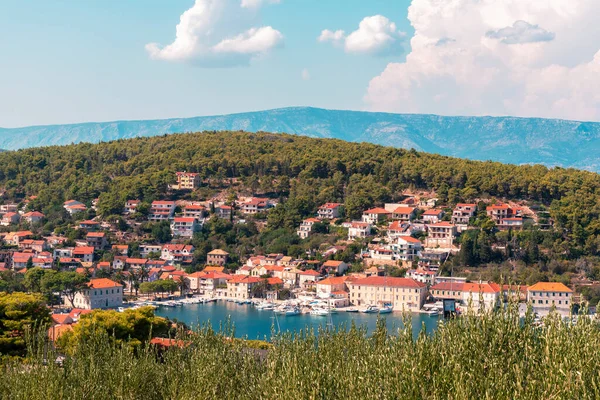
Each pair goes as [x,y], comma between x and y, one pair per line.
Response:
[257,321]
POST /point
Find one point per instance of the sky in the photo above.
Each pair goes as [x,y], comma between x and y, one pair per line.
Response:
[69,61]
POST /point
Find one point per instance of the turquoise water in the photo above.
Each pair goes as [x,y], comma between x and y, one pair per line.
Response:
[256,324]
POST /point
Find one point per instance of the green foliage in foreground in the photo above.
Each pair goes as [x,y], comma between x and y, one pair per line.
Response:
[490,357]
[18,313]
[131,326]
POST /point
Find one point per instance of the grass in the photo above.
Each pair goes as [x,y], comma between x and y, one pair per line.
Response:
[494,356]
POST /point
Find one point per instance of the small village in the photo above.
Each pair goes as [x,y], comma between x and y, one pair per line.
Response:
[403,247]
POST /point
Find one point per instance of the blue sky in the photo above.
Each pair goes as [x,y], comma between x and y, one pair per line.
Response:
[99,60]
[75,61]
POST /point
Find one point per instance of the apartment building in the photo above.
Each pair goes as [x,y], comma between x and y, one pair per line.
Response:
[544,295]
[403,294]
[188,180]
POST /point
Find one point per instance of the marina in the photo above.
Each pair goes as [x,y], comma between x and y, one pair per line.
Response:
[257,322]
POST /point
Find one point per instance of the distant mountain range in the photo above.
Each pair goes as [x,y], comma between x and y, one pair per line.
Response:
[506,139]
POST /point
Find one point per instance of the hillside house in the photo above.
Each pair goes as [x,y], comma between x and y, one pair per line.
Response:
[7,208]
[498,212]
[74,207]
[194,211]
[335,267]
[399,228]
[425,276]
[37,246]
[177,253]
[184,227]
[514,223]
[84,253]
[131,206]
[255,205]
[432,216]
[187,181]
[463,212]
[224,211]
[161,210]
[404,213]
[406,248]
[359,230]
[441,234]
[33,217]
[89,225]
[146,249]
[15,238]
[375,215]
[10,218]
[329,211]
[305,228]
[217,257]
[97,240]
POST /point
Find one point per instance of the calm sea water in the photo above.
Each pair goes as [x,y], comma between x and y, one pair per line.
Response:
[256,324]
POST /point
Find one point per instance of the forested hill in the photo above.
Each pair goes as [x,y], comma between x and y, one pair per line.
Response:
[308,171]
[504,139]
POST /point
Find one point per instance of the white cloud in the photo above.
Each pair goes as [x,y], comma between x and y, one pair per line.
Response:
[456,66]
[521,32]
[305,74]
[257,3]
[336,37]
[217,33]
[375,35]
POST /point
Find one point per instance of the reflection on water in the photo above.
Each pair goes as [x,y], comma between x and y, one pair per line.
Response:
[257,324]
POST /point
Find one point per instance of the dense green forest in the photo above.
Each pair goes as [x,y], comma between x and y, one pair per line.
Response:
[305,172]
[492,356]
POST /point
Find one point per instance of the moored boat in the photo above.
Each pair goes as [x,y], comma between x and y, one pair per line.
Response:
[370,310]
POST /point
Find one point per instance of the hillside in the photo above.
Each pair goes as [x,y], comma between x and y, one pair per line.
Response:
[504,139]
[306,171]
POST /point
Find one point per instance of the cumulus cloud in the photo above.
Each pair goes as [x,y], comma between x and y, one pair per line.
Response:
[496,63]
[218,33]
[336,37]
[257,3]
[521,32]
[376,35]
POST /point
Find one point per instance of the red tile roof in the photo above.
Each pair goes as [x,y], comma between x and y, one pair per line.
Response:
[103,283]
[82,250]
[389,282]
[377,210]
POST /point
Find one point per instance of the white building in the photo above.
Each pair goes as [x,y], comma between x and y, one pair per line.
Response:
[101,293]
[329,211]
[406,248]
[184,227]
[463,212]
[375,215]
[359,230]
[305,228]
[471,296]
[425,276]
[544,295]
[161,210]
[402,294]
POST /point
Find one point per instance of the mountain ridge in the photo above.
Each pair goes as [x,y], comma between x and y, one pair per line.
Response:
[515,140]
